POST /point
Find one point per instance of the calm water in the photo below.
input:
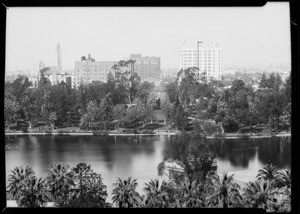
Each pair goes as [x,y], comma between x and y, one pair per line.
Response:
[135,156]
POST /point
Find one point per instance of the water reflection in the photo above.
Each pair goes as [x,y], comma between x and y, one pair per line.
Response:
[119,156]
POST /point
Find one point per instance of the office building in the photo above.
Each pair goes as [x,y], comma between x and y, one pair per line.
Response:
[206,57]
[148,68]
[89,70]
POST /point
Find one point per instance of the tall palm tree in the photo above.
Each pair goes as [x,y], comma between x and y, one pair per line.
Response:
[156,194]
[125,194]
[33,194]
[60,182]
[268,172]
[17,180]
[225,190]
[259,194]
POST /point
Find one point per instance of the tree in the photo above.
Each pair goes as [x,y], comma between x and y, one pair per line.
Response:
[225,190]
[171,91]
[237,85]
[106,107]
[194,153]
[18,179]
[60,182]
[268,172]
[19,87]
[90,190]
[11,108]
[33,193]
[180,118]
[263,82]
[259,194]
[125,195]
[52,118]
[144,90]
[119,113]
[190,195]
[156,194]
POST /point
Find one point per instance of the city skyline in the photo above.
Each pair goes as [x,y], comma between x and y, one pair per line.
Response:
[247,36]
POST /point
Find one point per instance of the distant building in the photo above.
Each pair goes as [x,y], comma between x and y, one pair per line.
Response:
[148,68]
[56,77]
[34,80]
[206,57]
[58,57]
[88,70]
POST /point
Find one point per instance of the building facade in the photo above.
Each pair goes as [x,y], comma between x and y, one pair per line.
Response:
[88,70]
[206,57]
[148,68]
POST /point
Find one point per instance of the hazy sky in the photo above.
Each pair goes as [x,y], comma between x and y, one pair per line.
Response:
[247,35]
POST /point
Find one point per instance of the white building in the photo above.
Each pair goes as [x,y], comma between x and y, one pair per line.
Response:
[206,57]
[88,70]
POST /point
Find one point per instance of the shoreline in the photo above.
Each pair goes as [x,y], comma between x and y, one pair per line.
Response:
[155,134]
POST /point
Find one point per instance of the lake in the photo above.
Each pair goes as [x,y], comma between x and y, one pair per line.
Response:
[137,156]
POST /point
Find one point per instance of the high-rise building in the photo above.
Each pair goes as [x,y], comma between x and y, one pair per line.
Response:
[206,57]
[58,57]
[88,70]
[148,68]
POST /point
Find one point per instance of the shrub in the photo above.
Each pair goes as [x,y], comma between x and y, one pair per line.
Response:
[48,132]
[147,131]
[24,129]
[130,131]
[100,132]
[210,128]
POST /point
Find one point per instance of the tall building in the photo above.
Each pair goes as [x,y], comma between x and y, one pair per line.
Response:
[206,57]
[88,70]
[148,68]
[58,57]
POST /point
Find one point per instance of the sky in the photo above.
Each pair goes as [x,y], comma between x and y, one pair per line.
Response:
[247,35]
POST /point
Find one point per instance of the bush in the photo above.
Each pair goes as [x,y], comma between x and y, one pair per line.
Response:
[100,132]
[147,131]
[25,130]
[232,126]
[211,128]
[48,132]
[130,131]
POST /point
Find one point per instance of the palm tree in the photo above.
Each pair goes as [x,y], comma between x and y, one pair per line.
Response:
[259,194]
[93,194]
[190,194]
[33,193]
[156,194]
[125,194]
[17,180]
[82,174]
[283,178]
[225,190]
[60,181]
[268,172]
